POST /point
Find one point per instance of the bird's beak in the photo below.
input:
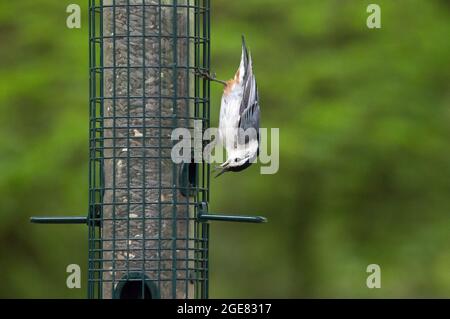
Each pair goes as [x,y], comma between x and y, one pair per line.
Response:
[221,172]
[225,164]
[224,167]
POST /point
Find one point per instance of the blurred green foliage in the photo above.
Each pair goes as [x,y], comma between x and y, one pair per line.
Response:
[364,149]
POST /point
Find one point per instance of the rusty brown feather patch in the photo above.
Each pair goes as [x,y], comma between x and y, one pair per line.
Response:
[229,86]
[231,83]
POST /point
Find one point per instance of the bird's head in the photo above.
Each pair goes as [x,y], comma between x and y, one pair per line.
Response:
[235,165]
[238,162]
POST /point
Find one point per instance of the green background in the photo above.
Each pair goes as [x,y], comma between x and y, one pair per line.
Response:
[364,149]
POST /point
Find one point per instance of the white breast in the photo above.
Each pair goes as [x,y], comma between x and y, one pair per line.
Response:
[229,115]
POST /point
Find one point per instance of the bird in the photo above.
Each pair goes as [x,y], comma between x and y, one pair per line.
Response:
[239,116]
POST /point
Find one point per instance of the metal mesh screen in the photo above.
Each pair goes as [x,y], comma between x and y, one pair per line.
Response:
[144,238]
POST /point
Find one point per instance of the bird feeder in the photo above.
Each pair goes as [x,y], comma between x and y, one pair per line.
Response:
[148,217]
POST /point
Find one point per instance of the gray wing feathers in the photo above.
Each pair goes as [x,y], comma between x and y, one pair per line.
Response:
[249,110]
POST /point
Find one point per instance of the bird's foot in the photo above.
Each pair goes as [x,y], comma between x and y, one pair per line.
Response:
[209,76]
[205,74]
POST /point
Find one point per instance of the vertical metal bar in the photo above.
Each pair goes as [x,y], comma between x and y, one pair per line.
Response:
[174,169]
[144,180]
[160,143]
[90,294]
[128,140]
[100,170]
[188,111]
[207,62]
[114,139]
[196,113]
[93,63]
[205,236]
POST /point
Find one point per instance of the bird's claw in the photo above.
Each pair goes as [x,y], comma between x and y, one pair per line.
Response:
[209,76]
[205,74]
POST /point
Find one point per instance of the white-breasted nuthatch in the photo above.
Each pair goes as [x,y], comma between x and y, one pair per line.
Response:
[239,116]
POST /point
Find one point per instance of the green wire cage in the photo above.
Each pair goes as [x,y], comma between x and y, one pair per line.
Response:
[148,217]
[144,57]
